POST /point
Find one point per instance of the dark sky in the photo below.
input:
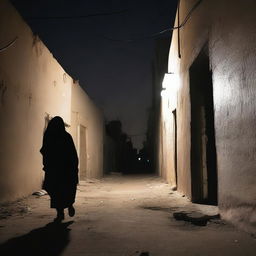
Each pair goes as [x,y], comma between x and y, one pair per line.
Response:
[115,74]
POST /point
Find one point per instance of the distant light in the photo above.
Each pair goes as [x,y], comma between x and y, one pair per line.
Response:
[139,158]
[148,161]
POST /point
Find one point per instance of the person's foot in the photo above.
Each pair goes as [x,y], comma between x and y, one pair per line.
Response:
[71,211]
[60,217]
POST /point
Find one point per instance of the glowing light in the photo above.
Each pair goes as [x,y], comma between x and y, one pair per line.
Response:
[139,158]
[169,93]
[163,93]
[171,82]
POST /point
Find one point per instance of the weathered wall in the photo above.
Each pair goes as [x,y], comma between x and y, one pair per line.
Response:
[228,27]
[33,86]
[166,155]
[86,114]
[191,45]
[155,123]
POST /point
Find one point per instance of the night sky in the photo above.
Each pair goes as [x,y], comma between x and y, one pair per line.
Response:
[110,55]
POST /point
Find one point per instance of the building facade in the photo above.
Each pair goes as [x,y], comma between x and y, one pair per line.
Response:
[208,106]
[33,88]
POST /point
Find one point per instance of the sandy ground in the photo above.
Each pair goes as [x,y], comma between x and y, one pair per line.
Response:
[120,216]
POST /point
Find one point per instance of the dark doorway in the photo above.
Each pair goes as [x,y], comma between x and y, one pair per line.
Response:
[174,112]
[83,154]
[203,148]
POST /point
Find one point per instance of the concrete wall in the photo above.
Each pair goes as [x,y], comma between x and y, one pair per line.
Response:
[86,114]
[227,28]
[155,123]
[33,86]
[166,146]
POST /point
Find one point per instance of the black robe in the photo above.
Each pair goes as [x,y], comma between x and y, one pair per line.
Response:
[61,168]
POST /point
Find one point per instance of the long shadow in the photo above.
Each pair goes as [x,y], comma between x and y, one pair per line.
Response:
[49,240]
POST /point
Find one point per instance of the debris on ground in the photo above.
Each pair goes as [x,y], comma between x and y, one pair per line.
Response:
[194,218]
[160,208]
[41,192]
[174,188]
[144,254]
[156,208]
[13,209]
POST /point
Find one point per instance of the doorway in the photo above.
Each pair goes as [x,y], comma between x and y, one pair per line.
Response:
[203,148]
[174,112]
[82,154]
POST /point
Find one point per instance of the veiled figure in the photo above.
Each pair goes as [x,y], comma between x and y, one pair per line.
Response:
[60,163]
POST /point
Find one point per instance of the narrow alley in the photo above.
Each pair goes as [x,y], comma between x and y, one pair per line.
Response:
[149,107]
[121,215]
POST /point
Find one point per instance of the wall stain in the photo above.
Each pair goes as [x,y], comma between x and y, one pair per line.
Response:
[30,98]
[3,89]
[64,77]
[37,45]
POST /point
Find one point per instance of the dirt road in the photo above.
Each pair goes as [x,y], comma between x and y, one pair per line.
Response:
[121,216]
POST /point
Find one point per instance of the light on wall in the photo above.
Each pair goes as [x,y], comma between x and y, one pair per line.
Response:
[170,84]
[163,92]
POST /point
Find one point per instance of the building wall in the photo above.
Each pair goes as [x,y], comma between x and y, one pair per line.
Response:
[85,113]
[33,87]
[109,149]
[155,123]
[167,137]
[228,29]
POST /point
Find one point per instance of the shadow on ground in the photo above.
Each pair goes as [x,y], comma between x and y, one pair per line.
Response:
[49,240]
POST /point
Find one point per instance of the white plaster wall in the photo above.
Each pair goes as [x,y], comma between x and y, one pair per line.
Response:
[33,84]
[85,113]
[229,28]
[234,63]
[167,149]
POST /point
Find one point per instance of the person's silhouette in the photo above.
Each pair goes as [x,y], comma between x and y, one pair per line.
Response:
[61,167]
